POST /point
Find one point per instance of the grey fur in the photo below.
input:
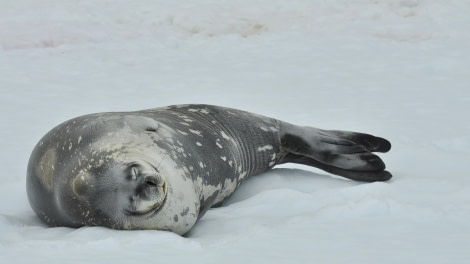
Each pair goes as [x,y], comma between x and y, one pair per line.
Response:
[163,168]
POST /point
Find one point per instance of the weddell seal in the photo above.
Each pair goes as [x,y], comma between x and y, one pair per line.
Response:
[163,168]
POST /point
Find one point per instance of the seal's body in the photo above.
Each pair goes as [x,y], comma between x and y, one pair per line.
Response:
[163,168]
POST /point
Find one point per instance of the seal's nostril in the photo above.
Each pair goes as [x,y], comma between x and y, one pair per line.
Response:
[150,181]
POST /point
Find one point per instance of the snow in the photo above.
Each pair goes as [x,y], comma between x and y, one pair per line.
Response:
[399,69]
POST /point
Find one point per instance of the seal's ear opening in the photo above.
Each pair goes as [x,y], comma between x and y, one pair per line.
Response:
[81,183]
[141,122]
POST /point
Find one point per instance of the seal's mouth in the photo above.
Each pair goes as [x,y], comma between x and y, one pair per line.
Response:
[152,208]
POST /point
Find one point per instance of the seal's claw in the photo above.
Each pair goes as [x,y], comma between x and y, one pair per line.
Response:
[383,146]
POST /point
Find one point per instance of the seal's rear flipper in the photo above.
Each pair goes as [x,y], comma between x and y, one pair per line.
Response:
[344,153]
[364,176]
[369,142]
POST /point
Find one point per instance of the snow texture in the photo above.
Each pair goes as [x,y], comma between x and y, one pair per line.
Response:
[399,69]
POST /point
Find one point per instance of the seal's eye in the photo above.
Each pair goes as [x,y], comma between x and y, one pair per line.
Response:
[134,172]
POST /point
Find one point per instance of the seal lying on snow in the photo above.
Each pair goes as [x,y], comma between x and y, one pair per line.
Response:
[163,168]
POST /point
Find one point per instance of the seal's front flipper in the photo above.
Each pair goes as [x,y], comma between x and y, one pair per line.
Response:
[348,154]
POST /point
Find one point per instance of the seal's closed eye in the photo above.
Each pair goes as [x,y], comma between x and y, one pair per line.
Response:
[134,172]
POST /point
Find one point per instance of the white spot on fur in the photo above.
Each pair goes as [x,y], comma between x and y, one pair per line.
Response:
[179,149]
[228,188]
[224,135]
[201,164]
[225,189]
[182,132]
[273,157]
[268,129]
[199,144]
[207,189]
[264,148]
[197,132]
[46,167]
[203,111]
[79,139]
[219,145]
[223,158]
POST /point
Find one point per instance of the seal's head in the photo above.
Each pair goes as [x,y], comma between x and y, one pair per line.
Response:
[110,170]
[136,188]
[119,195]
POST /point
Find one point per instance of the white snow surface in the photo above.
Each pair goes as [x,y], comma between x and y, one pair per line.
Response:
[399,69]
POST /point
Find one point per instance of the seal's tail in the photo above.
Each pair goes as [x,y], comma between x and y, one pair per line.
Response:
[343,153]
